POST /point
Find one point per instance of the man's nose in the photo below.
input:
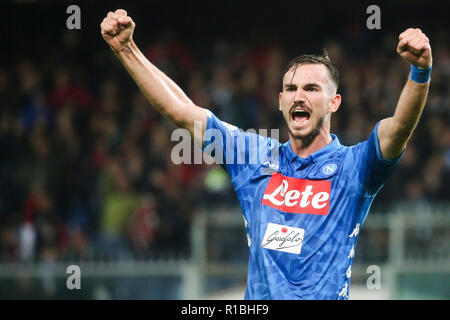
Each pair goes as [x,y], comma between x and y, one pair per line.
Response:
[299,97]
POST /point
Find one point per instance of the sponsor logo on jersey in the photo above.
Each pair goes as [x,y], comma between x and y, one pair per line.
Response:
[283,238]
[297,195]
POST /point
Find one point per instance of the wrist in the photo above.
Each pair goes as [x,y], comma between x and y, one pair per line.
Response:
[124,49]
[420,75]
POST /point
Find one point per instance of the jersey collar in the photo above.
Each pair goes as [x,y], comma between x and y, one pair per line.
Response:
[326,151]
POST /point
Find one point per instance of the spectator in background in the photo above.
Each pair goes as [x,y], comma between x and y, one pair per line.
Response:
[119,202]
[143,227]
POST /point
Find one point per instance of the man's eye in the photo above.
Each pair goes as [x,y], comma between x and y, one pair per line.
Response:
[311,89]
[290,89]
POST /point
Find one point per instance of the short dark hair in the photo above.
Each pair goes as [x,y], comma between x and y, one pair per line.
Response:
[313,59]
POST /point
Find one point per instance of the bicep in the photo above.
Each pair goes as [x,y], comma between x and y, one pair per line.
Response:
[391,143]
[374,165]
[193,118]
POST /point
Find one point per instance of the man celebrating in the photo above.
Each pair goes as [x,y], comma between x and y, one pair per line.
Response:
[303,211]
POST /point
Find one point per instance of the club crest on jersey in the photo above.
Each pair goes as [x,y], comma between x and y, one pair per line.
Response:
[296,195]
[329,169]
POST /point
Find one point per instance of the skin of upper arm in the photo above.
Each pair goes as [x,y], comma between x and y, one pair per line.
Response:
[192,118]
[391,145]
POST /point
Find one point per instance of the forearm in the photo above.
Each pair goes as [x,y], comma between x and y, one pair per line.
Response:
[394,132]
[165,96]
[169,82]
[159,89]
[409,108]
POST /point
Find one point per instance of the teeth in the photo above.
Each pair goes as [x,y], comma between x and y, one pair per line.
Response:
[299,110]
[294,111]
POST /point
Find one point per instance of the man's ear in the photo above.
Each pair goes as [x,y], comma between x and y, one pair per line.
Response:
[279,100]
[335,103]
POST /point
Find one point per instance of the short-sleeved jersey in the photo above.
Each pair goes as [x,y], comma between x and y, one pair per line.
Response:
[302,215]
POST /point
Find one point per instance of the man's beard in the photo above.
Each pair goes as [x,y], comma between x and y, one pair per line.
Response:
[309,138]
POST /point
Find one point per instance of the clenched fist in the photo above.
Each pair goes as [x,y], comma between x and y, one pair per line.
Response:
[414,47]
[117,29]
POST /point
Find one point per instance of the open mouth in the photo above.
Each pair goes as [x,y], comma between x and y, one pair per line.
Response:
[300,116]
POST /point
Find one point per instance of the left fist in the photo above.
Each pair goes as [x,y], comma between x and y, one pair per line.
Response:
[414,47]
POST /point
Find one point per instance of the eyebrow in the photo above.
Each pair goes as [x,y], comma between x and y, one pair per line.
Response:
[312,84]
[309,84]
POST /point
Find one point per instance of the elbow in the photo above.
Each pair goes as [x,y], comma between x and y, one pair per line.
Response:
[181,115]
[401,132]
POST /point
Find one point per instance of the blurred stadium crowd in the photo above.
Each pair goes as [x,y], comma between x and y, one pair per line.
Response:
[86,172]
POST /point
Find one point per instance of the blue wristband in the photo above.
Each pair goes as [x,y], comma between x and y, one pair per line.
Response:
[420,75]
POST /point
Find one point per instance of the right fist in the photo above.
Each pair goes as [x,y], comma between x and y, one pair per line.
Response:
[117,29]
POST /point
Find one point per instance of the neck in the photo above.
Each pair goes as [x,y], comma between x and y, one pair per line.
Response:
[303,149]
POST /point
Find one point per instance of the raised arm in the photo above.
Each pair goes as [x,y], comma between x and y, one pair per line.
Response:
[394,132]
[165,96]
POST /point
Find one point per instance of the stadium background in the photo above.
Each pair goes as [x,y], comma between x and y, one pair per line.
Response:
[85,170]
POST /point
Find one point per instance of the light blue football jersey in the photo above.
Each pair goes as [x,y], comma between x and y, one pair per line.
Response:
[302,215]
